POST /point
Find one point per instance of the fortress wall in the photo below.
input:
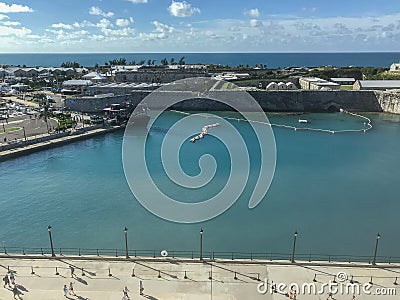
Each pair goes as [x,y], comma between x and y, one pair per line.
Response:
[389,101]
[276,101]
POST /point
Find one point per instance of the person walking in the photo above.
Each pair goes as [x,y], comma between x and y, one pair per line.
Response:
[72,271]
[71,289]
[141,288]
[65,290]
[16,292]
[6,281]
[125,291]
[12,278]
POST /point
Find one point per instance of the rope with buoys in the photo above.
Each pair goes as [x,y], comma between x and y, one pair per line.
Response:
[368,123]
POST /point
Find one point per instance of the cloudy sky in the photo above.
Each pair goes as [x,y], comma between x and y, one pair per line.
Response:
[199,26]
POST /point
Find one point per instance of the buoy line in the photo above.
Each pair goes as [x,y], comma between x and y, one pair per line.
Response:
[368,123]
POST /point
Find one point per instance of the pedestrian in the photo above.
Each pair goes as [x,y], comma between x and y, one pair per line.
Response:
[12,277]
[141,288]
[125,291]
[6,281]
[16,292]
[330,296]
[72,270]
[65,290]
[71,289]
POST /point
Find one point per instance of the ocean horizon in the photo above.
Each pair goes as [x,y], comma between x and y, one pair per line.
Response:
[270,59]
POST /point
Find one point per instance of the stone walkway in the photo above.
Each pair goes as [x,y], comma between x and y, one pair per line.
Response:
[164,278]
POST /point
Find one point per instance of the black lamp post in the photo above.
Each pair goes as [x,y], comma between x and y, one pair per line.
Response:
[378,236]
[126,242]
[294,246]
[51,241]
[201,244]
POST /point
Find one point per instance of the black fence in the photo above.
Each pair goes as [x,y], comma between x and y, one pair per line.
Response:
[206,255]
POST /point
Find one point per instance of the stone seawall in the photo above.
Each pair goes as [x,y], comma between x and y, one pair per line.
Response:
[389,101]
[276,101]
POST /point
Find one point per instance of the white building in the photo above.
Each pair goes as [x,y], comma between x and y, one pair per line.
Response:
[376,84]
[395,67]
[272,86]
[315,83]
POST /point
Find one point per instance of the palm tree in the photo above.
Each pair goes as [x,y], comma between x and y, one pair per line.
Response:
[43,108]
[181,61]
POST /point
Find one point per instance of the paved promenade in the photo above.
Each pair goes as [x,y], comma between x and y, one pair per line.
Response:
[164,278]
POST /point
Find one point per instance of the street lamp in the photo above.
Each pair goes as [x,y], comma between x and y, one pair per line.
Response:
[294,246]
[378,236]
[51,241]
[201,244]
[126,242]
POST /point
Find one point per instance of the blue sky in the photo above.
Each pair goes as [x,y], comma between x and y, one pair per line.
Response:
[199,26]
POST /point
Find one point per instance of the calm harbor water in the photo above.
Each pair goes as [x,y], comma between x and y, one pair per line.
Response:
[272,60]
[336,190]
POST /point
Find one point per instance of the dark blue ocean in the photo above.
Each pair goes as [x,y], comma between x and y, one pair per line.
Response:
[272,60]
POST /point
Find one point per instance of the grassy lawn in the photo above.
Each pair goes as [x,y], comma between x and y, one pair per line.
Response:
[346,87]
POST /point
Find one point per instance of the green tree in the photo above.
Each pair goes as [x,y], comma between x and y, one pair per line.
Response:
[164,62]
[181,61]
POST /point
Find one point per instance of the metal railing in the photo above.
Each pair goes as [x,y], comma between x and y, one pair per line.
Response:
[207,255]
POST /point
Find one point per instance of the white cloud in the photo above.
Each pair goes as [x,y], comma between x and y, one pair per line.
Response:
[256,23]
[14,8]
[160,32]
[19,32]
[11,23]
[254,13]
[2,17]
[138,1]
[122,22]
[162,28]
[182,9]
[118,32]
[104,23]
[96,11]
[62,25]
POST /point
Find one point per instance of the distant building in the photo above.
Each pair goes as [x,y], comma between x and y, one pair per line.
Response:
[395,67]
[315,83]
[282,86]
[291,86]
[343,80]
[376,84]
[272,86]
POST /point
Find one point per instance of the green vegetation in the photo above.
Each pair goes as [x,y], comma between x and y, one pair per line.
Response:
[11,129]
[70,64]
[346,87]
[64,121]
[359,73]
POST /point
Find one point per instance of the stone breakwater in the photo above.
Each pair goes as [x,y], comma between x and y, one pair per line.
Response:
[11,151]
[273,101]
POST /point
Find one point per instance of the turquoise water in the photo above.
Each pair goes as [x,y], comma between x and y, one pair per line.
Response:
[336,190]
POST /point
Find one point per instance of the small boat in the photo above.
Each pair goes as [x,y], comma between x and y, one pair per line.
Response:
[303,121]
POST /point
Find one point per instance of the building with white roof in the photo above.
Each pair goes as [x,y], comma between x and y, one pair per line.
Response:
[343,80]
[395,67]
[315,83]
[376,84]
